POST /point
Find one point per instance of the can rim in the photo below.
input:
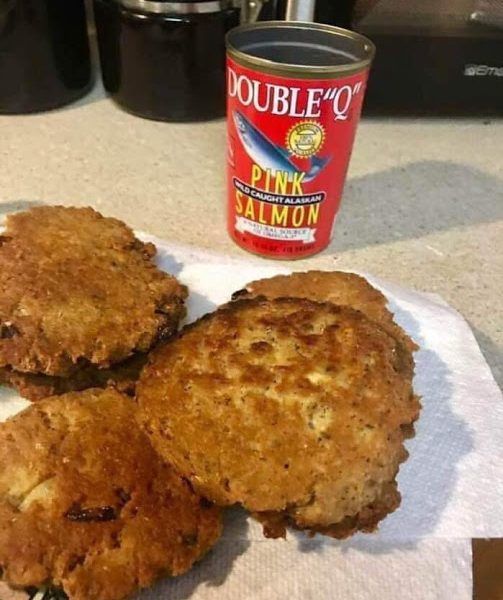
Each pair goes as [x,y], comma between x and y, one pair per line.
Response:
[302,71]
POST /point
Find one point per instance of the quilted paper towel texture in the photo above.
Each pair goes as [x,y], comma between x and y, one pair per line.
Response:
[245,566]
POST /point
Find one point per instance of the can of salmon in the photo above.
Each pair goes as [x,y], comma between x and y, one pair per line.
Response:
[294,97]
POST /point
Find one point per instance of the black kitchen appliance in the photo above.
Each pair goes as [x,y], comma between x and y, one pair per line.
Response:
[433,56]
[44,54]
[165,60]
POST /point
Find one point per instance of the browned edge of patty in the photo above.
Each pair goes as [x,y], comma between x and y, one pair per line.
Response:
[37,386]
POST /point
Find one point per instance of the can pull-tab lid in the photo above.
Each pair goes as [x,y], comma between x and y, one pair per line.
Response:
[299,48]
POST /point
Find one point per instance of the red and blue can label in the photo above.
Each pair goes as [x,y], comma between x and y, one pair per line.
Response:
[289,145]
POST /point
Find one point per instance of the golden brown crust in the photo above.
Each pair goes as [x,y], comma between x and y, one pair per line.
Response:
[344,289]
[35,386]
[366,519]
[87,505]
[77,288]
[338,287]
[283,405]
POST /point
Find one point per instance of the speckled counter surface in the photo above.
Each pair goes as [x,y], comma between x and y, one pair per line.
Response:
[423,205]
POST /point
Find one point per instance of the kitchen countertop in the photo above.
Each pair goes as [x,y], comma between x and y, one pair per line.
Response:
[423,205]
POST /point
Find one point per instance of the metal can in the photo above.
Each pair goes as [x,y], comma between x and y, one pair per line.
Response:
[294,97]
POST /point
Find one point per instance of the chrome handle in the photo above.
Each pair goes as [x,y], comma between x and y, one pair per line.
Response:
[296,10]
[250,10]
[300,10]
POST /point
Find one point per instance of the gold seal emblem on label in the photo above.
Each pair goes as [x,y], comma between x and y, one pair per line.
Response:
[305,139]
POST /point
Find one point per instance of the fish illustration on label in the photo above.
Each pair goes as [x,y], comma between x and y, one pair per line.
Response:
[269,156]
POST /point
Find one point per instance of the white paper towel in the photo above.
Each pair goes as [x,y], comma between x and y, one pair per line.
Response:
[239,568]
[451,485]
[246,566]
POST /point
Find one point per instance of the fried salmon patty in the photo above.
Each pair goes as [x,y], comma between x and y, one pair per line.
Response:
[344,289]
[291,407]
[34,386]
[87,505]
[338,287]
[77,288]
